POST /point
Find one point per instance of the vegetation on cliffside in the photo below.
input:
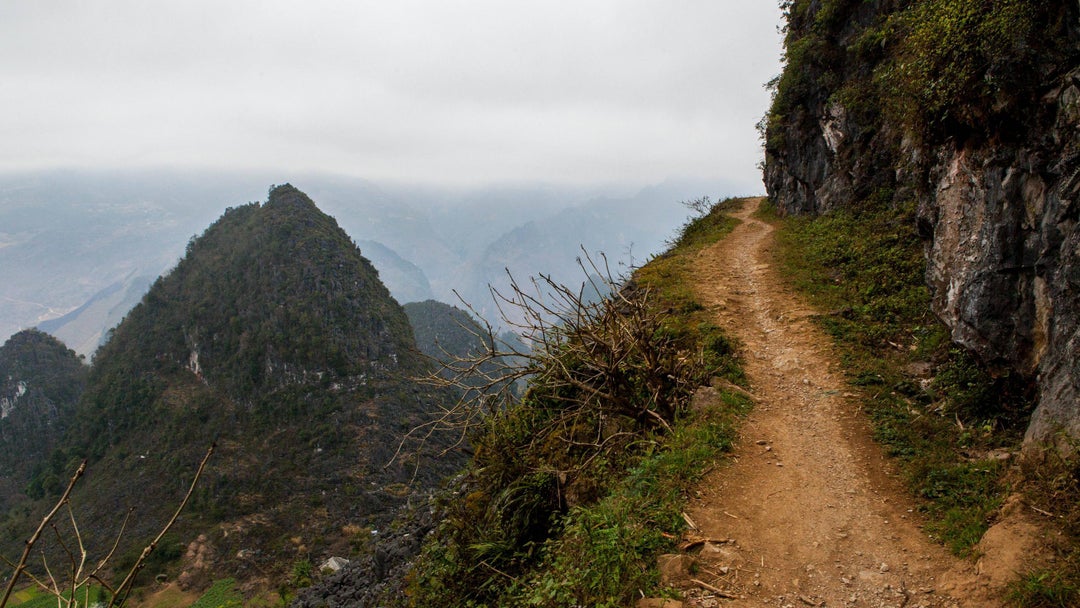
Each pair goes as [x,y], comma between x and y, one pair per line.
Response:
[40,383]
[574,489]
[935,68]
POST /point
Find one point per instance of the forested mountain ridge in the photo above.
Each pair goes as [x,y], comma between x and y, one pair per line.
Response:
[40,382]
[962,119]
[262,284]
[274,337]
[443,330]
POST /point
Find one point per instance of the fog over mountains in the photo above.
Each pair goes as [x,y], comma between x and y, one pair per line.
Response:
[79,249]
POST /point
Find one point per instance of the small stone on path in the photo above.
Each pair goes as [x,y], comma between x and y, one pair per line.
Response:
[658,602]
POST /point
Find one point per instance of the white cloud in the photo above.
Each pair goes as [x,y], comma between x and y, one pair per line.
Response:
[415,90]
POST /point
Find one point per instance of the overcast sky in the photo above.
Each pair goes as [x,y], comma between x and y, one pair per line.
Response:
[432,91]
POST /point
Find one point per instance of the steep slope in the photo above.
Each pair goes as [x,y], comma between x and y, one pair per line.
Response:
[273,337]
[40,382]
[405,280]
[443,330]
[86,326]
[575,487]
[967,113]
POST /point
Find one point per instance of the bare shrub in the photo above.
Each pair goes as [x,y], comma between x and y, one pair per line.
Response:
[700,206]
[80,575]
[611,358]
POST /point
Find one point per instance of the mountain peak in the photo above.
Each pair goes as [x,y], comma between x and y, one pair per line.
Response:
[289,198]
[268,295]
[273,337]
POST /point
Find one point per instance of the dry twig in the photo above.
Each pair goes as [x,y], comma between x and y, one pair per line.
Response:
[599,361]
[78,577]
[20,567]
[714,589]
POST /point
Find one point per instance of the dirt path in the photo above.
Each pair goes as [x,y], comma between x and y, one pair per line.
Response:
[812,509]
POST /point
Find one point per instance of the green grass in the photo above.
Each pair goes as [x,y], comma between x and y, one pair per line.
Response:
[609,548]
[32,597]
[864,267]
[222,594]
[707,228]
[24,595]
[1053,485]
[1044,589]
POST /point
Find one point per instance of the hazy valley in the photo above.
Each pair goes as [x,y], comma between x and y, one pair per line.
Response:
[78,250]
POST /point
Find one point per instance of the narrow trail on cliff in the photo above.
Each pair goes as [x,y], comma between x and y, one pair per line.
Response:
[808,512]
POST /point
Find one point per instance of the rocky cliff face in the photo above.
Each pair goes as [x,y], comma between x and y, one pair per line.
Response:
[1003,262]
[994,168]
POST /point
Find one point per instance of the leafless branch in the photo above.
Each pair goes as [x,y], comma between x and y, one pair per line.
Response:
[20,567]
[597,360]
[73,547]
[125,587]
[93,575]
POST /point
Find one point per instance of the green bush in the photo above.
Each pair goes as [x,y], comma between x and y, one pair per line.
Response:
[303,573]
[954,57]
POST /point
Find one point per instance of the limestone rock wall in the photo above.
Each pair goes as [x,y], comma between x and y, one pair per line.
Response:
[998,215]
[1003,257]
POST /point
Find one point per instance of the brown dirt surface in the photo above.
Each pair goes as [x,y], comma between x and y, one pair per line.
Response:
[166,596]
[809,512]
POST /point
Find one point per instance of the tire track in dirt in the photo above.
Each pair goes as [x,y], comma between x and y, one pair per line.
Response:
[812,509]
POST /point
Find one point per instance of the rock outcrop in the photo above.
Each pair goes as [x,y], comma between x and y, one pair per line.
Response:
[995,169]
[1004,263]
[378,575]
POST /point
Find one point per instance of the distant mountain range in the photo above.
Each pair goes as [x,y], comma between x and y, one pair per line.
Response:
[78,250]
